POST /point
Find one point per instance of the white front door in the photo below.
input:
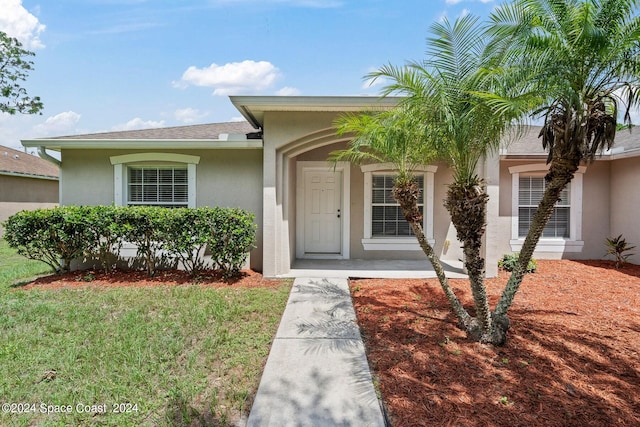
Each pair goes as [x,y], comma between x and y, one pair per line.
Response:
[322,212]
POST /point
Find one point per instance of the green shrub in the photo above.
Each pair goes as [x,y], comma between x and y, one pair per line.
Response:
[509,262]
[187,232]
[163,236]
[617,246]
[103,224]
[233,236]
[145,227]
[54,236]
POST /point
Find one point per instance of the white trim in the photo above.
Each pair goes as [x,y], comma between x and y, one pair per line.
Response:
[26,175]
[551,245]
[143,144]
[155,157]
[370,243]
[345,169]
[120,172]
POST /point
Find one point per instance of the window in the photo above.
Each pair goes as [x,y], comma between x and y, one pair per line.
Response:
[158,179]
[387,218]
[384,225]
[158,186]
[529,195]
[563,232]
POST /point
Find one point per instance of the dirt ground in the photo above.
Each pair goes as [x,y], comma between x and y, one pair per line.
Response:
[572,357]
[121,278]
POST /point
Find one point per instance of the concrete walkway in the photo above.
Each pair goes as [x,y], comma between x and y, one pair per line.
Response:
[317,372]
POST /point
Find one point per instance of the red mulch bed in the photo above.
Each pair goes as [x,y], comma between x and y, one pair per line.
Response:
[572,356]
[122,278]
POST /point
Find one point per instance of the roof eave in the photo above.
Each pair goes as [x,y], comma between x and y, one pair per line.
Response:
[29,175]
[254,107]
[58,144]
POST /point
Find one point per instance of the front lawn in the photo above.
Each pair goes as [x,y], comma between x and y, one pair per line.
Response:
[126,355]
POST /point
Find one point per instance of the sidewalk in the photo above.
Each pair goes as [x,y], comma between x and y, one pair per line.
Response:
[317,372]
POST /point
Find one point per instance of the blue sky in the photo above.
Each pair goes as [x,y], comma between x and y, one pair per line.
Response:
[104,65]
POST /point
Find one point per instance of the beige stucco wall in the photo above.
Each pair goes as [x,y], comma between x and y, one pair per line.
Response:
[9,208]
[595,210]
[294,137]
[18,189]
[23,193]
[625,202]
[225,178]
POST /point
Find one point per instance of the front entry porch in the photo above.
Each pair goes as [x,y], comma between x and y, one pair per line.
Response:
[378,269]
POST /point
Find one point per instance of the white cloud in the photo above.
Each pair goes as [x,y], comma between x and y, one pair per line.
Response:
[288,91]
[238,119]
[318,4]
[62,123]
[189,115]
[453,2]
[232,78]
[138,123]
[371,83]
[18,22]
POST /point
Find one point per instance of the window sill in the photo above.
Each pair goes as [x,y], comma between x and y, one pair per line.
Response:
[393,244]
[551,245]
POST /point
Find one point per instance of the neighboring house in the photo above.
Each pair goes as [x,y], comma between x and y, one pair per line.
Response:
[26,182]
[275,166]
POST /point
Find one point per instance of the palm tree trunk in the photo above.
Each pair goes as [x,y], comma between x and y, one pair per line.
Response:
[467,205]
[560,174]
[406,194]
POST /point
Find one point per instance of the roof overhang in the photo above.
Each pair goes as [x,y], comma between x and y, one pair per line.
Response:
[254,107]
[29,175]
[606,156]
[57,144]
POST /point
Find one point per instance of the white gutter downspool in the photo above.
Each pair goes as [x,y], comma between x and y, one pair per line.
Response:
[42,152]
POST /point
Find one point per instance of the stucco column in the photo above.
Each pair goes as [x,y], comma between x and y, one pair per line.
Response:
[269,212]
[490,248]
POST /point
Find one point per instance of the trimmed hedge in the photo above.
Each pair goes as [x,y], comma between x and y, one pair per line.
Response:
[163,236]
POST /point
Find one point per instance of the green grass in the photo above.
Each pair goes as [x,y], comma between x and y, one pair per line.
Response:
[179,354]
[15,267]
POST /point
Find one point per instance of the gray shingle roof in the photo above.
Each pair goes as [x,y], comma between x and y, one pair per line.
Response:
[203,131]
[20,163]
[529,143]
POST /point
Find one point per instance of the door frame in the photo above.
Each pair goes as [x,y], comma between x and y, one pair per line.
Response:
[345,212]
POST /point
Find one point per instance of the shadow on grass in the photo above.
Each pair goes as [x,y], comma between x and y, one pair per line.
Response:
[181,413]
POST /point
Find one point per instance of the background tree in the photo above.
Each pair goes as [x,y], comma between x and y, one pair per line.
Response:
[582,58]
[463,128]
[14,69]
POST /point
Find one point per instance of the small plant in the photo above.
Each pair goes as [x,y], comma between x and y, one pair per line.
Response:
[618,247]
[504,400]
[509,262]
[89,277]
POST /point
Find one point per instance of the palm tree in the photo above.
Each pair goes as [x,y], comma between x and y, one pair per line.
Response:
[399,137]
[463,128]
[583,58]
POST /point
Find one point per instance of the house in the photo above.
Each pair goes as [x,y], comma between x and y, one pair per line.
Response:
[26,182]
[275,165]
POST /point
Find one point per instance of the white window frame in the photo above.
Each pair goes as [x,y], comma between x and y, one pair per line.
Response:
[408,243]
[120,171]
[574,242]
